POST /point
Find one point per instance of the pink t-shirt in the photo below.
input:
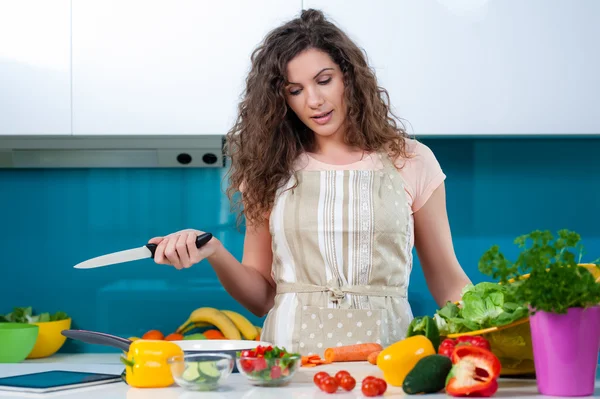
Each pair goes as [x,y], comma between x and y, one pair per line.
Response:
[421,173]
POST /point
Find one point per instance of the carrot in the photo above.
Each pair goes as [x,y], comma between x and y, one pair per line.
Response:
[351,353]
[372,358]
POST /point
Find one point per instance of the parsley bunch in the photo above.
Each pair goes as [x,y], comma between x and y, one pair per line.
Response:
[556,282]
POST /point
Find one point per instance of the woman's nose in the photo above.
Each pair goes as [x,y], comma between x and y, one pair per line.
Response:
[314,99]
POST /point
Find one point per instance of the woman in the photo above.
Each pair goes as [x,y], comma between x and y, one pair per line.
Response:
[334,195]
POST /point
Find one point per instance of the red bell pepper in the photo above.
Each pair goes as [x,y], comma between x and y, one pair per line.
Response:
[448,345]
[475,372]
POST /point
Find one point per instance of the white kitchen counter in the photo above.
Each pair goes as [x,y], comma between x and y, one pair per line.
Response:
[236,385]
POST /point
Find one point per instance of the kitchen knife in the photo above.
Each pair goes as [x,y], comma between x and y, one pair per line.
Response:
[147,251]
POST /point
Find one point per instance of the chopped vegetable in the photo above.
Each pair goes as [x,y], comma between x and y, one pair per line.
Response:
[447,346]
[146,363]
[398,359]
[25,315]
[482,306]
[351,353]
[475,372]
[203,372]
[268,363]
[426,326]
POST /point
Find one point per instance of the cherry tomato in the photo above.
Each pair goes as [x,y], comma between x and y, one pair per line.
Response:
[329,384]
[247,353]
[319,377]
[382,385]
[340,374]
[370,388]
[247,365]
[369,378]
[348,383]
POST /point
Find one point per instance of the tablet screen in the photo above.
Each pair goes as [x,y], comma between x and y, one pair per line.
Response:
[51,380]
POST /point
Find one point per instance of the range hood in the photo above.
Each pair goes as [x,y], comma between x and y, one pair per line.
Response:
[154,151]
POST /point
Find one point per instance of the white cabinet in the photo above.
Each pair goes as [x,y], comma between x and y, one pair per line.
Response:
[165,66]
[35,67]
[482,67]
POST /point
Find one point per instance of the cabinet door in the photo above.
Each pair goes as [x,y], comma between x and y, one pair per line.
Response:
[35,67]
[166,66]
[479,67]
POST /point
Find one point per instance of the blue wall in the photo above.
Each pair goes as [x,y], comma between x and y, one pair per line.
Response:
[52,219]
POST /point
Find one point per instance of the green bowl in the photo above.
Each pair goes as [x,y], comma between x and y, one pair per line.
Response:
[16,341]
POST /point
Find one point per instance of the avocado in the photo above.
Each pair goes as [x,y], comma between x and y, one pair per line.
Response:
[428,375]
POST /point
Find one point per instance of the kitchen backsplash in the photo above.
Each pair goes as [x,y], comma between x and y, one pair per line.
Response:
[53,219]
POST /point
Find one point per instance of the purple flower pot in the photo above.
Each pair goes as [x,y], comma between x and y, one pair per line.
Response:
[565,351]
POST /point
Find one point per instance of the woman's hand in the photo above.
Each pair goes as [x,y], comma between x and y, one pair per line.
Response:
[179,249]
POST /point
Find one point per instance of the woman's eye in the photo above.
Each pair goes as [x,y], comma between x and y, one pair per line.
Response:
[294,92]
[324,82]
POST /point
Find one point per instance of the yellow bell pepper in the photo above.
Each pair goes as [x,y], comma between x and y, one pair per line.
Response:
[146,363]
[398,359]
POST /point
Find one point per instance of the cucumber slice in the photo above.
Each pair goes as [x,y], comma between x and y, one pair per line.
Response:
[191,373]
[209,370]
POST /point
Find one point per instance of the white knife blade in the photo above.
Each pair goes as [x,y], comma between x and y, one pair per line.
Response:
[147,251]
[116,257]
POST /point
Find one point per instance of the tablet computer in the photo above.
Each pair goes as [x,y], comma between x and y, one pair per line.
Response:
[55,380]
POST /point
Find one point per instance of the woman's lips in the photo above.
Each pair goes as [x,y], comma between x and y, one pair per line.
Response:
[321,120]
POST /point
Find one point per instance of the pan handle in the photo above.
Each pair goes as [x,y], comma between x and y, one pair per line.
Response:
[98,338]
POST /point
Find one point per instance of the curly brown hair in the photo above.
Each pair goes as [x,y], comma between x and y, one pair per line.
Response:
[267,138]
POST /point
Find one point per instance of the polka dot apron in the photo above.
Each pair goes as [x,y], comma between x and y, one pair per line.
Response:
[342,257]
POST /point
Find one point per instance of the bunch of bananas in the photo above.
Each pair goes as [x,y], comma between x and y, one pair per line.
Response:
[231,324]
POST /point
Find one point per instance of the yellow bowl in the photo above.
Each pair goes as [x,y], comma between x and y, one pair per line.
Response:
[512,343]
[49,339]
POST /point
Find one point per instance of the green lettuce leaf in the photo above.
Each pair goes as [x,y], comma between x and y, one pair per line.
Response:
[483,305]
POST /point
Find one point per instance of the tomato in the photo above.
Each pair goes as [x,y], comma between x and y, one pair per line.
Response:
[174,337]
[247,365]
[275,372]
[154,334]
[369,378]
[329,384]
[382,385]
[260,364]
[248,353]
[340,374]
[370,388]
[319,377]
[347,382]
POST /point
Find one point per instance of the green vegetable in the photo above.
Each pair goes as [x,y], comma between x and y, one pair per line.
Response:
[483,305]
[426,326]
[428,375]
[25,315]
[201,372]
[556,282]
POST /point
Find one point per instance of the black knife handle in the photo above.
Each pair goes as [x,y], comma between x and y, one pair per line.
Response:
[201,240]
[98,338]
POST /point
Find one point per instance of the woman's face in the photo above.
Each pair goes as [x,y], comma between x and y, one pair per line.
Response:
[315,92]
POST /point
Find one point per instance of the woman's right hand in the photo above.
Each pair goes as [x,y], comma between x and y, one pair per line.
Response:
[179,249]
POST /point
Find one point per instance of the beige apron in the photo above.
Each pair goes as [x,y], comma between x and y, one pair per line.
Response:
[342,257]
